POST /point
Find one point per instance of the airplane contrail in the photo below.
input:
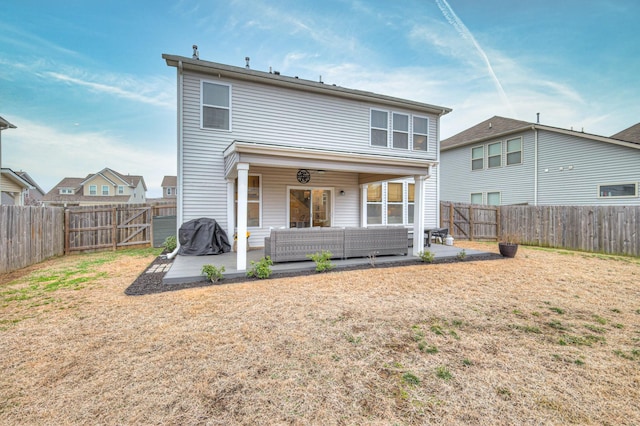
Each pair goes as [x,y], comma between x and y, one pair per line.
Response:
[464,32]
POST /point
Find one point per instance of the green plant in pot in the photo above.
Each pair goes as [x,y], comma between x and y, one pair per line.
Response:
[508,244]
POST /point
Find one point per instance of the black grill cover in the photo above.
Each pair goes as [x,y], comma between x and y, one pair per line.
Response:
[200,237]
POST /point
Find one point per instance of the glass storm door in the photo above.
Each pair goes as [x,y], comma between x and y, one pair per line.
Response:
[309,207]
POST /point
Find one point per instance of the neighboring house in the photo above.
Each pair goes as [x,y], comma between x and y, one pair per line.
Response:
[14,189]
[169,187]
[34,195]
[288,152]
[506,161]
[105,187]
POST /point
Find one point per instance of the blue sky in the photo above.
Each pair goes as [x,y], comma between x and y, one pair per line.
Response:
[85,83]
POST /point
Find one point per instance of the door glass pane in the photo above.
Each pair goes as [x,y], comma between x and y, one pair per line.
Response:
[299,208]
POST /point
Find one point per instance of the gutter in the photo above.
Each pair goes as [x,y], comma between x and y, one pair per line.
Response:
[535,165]
[179,198]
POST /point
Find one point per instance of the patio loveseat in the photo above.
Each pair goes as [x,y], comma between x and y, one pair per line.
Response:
[294,244]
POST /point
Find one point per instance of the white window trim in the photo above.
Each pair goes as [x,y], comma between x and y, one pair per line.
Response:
[489,156]
[95,191]
[617,197]
[486,197]
[483,158]
[169,190]
[202,105]
[476,193]
[331,190]
[120,189]
[66,191]
[251,202]
[506,148]
[386,129]
[413,132]
[102,190]
[385,203]
[407,132]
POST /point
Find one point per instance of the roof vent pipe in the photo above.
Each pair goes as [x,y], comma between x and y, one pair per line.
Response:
[246,58]
[196,55]
[537,117]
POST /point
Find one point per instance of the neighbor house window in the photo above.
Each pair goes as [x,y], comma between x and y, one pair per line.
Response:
[420,132]
[168,191]
[374,204]
[395,205]
[618,190]
[476,198]
[400,131]
[254,201]
[514,151]
[493,198]
[105,190]
[120,190]
[66,191]
[216,106]
[495,155]
[379,128]
[93,190]
[477,158]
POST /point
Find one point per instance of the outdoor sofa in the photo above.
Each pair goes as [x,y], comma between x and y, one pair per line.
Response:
[294,244]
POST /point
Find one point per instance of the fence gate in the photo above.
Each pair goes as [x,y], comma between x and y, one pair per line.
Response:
[93,228]
[470,221]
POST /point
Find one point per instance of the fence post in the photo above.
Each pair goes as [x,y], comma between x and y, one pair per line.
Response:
[498,228]
[470,222]
[114,228]
[66,230]
[451,230]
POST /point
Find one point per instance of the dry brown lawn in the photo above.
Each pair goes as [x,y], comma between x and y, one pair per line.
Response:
[550,337]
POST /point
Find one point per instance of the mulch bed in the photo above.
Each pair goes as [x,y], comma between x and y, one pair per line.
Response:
[150,281]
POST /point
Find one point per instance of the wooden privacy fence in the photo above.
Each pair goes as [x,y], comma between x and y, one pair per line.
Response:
[470,221]
[603,229]
[29,235]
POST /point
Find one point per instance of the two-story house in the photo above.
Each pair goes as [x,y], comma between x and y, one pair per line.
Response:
[105,187]
[14,189]
[506,161]
[258,150]
[169,187]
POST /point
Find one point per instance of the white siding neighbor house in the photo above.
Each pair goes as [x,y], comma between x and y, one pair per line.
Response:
[504,161]
[259,150]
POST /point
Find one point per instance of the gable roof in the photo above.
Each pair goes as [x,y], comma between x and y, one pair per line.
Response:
[7,173]
[130,180]
[631,134]
[497,127]
[25,176]
[170,181]
[275,79]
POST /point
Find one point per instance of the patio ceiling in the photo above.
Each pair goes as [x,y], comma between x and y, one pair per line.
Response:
[370,167]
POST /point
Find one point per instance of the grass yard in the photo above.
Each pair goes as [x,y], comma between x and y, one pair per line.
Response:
[550,337]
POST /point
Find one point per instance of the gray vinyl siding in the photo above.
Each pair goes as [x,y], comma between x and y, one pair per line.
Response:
[585,164]
[273,115]
[515,182]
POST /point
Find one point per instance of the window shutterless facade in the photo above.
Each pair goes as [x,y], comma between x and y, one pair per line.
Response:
[390,203]
[494,155]
[514,151]
[93,189]
[120,190]
[215,99]
[105,189]
[420,133]
[476,198]
[400,131]
[493,198]
[620,190]
[477,158]
[379,128]
[374,204]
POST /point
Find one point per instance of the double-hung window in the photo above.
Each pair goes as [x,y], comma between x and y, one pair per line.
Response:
[105,189]
[477,158]
[390,203]
[254,201]
[494,155]
[93,189]
[216,106]
[400,131]
[514,151]
[379,128]
[411,191]
[395,205]
[120,189]
[420,132]
[374,204]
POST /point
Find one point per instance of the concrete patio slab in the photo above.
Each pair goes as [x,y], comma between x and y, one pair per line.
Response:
[187,269]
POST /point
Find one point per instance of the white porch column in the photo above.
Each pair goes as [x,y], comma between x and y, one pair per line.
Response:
[231,208]
[363,205]
[418,215]
[243,184]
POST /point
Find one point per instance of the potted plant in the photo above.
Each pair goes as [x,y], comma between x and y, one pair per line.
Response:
[508,245]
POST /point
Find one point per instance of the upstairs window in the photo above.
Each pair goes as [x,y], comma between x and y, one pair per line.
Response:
[379,128]
[495,155]
[514,151]
[169,191]
[400,131]
[216,106]
[477,158]
[618,190]
[93,190]
[105,190]
[120,190]
[420,132]
[66,191]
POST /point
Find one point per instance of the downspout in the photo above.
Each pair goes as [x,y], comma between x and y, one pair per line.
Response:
[179,212]
[535,165]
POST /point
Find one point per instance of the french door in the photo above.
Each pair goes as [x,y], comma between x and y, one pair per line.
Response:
[310,207]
